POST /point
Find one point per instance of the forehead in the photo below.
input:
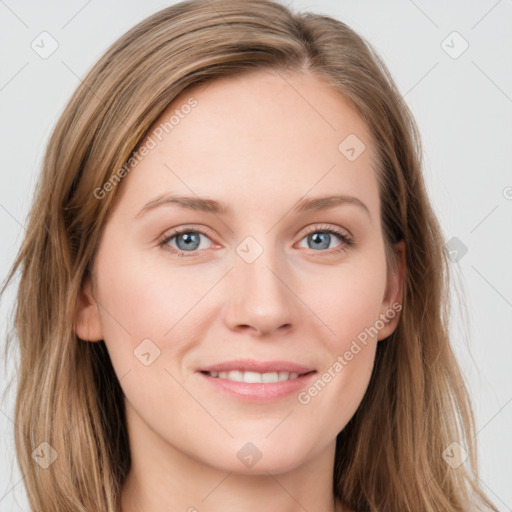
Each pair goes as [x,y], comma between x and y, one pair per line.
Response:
[271,133]
[267,105]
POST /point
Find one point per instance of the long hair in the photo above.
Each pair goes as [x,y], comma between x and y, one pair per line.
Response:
[390,456]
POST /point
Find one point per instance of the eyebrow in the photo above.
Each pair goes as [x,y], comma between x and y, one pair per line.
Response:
[207,205]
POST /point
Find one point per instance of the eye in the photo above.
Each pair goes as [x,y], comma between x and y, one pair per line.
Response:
[321,237]
[187,240]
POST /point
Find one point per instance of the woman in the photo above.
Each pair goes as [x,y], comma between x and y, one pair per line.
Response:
[232,287]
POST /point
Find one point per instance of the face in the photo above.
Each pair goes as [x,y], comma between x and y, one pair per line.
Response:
[242,322]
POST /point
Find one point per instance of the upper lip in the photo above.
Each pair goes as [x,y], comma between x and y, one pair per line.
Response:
[250,365]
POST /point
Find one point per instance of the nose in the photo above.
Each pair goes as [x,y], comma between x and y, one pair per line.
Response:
[261,300]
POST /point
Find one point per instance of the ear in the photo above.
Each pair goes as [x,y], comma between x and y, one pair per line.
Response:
[392,301]
[87,317]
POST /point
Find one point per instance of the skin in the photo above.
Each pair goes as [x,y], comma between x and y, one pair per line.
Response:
[258,143]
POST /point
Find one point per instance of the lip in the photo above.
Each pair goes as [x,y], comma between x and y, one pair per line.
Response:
[258,392]
[250,365]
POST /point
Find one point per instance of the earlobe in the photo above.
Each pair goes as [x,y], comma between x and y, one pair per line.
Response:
[392,303]
[87,319]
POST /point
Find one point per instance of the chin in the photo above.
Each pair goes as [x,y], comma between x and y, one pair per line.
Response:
[264,455]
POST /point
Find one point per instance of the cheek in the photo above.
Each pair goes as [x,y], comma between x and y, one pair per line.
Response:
[349,302]
[352,315]
[145,299]
[348,299]
[145,309]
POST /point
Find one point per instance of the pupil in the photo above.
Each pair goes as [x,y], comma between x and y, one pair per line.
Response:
[189,239]
[319,237]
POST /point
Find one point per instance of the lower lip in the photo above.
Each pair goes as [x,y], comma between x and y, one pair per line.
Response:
[259,392]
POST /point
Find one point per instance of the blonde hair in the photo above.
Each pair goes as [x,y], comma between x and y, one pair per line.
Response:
[389,456]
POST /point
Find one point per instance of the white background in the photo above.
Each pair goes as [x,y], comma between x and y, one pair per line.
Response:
[463,107]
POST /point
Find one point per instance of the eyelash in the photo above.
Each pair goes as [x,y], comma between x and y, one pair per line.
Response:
[346,241]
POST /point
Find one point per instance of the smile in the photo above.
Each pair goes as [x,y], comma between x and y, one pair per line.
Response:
[257,381]
[254,377]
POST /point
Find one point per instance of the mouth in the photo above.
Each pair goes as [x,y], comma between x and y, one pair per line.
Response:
[255,381]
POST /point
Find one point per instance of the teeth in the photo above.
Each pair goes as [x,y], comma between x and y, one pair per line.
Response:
[254,377]
[269,377]
[250,377]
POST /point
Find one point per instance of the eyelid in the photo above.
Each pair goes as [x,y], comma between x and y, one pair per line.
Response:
[165,237]
[343,232]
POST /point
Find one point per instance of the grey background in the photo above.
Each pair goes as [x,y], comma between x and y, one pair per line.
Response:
[463,107]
